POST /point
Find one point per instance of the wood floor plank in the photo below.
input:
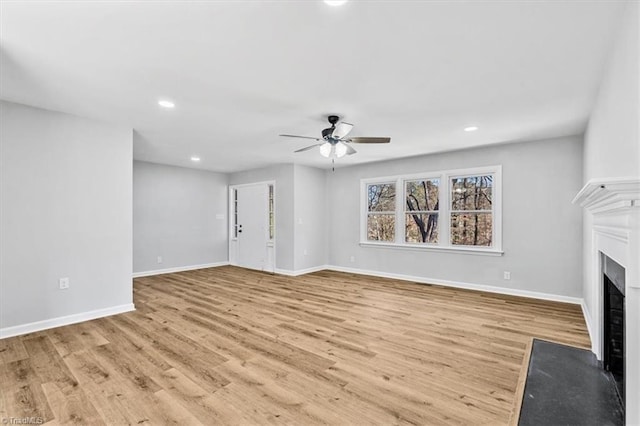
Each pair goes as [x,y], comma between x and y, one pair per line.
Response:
[201,403]
[236,347]
[111,398]
[68,401]
[12,350]
[21,392]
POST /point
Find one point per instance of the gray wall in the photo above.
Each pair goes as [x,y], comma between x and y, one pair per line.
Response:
[175,217]
[65,211]
[310,213]
[542,230]
[283,176]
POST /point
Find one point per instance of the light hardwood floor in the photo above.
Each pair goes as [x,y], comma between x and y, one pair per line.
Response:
[230,346]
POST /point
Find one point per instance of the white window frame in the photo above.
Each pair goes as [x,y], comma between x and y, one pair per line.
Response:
[444,211]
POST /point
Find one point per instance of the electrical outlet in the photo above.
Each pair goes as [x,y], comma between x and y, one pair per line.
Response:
[352,259]
[507,275]
[63,283]
[159,259]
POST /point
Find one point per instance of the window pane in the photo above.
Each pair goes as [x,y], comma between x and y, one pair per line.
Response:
[422,195]
[381,197]
[471,229]
[272,223]
[472,193]
[421,228]
[235,213]
[381,227]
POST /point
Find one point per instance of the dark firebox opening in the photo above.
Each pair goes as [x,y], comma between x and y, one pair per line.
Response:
[614,330]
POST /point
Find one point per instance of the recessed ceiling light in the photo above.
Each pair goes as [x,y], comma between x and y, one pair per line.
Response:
[471,129]
[166,104]
[335,2]
[196,159]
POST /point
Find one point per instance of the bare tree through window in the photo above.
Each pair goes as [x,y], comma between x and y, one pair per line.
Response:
[421,211]
[472,210]
[381,205]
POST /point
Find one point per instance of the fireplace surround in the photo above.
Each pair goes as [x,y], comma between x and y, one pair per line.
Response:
[612,253]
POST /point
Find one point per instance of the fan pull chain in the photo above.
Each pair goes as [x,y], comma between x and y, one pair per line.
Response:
[333,164]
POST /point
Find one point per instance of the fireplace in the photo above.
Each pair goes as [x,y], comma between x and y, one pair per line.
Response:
[612,281]
[613,345]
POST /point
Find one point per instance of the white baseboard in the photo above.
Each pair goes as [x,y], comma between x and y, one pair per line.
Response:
[458,284]
[66,320]
[298,272]
[178,269]
[587,320]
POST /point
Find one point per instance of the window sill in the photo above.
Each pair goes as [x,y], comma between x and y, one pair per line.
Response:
[460,250]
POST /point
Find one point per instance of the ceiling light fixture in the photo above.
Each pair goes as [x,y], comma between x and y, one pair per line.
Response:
[340,149]
[471,129]
[335,2]
[166,104]
[195,159]
[333,150]
[325,149]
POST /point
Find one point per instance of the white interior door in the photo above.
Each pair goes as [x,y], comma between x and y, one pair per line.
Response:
[253,226]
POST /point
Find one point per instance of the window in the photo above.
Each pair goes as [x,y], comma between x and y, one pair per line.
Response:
[449,210]
[471,210]
[272,218]
[381,208]
[421,211]
[235,213]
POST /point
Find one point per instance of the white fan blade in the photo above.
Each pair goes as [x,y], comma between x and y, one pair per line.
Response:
[350,150]
[302,137]
[308,147]
[342,129]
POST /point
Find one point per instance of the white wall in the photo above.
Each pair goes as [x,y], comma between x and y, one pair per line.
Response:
[65,192]
[612,149]
[611,142]
[542,234]
[283,176]
[175,217]
[310,213]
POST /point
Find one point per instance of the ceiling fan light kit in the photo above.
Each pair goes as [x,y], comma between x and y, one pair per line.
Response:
[338,150]
[325,149]
[334,142]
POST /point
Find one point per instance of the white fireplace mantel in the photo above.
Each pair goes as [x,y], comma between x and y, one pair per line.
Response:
[612,228]
[606,195]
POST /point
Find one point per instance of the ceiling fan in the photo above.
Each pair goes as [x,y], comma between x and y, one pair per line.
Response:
[334,142]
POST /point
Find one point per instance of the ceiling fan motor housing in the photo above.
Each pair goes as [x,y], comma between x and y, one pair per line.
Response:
[333,119]
[326,133]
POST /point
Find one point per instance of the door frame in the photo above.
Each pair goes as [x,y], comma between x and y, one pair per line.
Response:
[233,246]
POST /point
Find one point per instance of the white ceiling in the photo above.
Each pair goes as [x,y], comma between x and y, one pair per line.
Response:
[241,72]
